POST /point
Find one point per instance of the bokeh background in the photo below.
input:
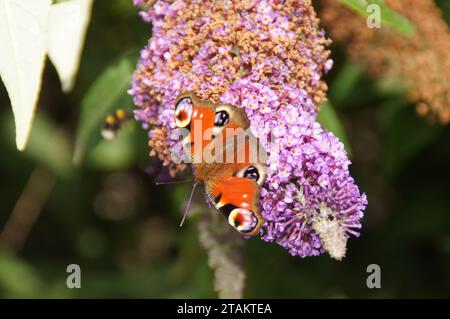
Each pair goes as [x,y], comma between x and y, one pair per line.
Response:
[106,214]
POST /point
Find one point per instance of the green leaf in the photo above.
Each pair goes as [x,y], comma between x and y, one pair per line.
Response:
[391,87]
[389,17]
[117,154]
[405,136]
[101,99]
[329,120]
[17,278]
[345,82]
[48,146]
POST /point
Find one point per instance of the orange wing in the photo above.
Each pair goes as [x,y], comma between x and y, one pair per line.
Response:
[231,183]
[197,117]
[237,199]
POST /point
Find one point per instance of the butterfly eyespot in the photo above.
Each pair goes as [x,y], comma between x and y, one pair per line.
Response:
[243,220]
[251,173]
[256,172]
[183,112]
[221,118]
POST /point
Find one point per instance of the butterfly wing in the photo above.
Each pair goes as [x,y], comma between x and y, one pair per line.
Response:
[218,141]
[237,198]
[234,187]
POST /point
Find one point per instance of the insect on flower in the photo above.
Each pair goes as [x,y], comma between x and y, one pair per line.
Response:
[265,60]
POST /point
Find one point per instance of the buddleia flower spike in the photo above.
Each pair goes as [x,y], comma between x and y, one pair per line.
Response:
[267,57]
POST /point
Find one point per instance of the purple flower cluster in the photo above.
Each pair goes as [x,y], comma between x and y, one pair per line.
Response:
[308,178]
[309,201]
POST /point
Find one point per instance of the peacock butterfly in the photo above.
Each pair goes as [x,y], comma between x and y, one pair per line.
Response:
[226,157]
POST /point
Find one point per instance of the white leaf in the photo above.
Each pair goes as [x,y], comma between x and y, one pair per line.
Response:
[23,30]
[67,30]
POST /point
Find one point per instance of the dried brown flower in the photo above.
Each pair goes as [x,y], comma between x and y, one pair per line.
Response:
[422,61]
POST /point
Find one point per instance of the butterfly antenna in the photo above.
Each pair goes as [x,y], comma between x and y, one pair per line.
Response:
[189,204]
[173,182]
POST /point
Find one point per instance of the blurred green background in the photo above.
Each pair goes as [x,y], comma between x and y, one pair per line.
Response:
[106,214]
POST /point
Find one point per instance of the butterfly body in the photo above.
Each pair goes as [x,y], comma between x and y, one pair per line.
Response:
[221,148]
